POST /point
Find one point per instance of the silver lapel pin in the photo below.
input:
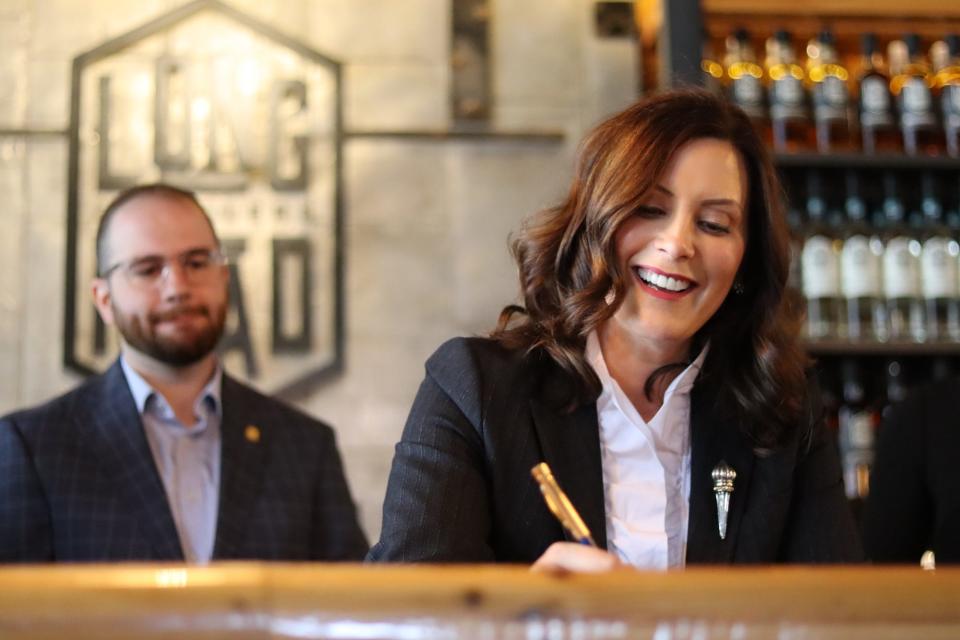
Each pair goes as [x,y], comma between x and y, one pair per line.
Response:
[723,476]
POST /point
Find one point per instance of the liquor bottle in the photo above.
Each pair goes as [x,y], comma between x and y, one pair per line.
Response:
[831,99]
[910,84]
[878,127]
[860,270]
[901,269]
[896,386]
[947,82]
[789,117]
[820,267]
[711,68]
[745,77]
[795,222]
[858,420]
[938,267]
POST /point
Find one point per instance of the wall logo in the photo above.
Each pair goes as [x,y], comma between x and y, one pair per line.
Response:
[212,100]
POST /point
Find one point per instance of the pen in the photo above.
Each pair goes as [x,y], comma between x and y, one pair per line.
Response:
[560,505]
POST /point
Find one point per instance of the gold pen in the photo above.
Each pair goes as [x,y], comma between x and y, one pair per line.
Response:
[560,505]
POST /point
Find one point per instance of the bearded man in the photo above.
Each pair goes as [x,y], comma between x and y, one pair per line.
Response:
[164,456]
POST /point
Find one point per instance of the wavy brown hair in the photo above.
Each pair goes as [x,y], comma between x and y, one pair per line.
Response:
[567,263]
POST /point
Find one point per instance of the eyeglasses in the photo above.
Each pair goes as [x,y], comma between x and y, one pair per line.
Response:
[198,266]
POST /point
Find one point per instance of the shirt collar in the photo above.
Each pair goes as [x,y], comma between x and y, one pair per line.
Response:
[142,391]
[682,384]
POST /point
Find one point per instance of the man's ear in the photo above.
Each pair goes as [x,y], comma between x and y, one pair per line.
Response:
[101,299]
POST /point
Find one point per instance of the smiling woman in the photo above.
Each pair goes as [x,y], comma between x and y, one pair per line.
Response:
[654,365]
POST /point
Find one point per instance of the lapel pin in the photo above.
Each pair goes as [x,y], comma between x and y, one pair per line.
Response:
[252,433]
[723,476]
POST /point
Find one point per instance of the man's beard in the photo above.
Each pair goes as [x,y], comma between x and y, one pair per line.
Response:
[176,350]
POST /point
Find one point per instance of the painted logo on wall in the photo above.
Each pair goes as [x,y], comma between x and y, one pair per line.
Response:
[214,101]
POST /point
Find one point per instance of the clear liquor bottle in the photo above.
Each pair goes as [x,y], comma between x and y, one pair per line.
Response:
[901,268]
[860,261]
[938,266]
[911,84]
[820,267]
[831,99]
[878,127]
[789,116]
[745,76]
[947,83]
[858,421]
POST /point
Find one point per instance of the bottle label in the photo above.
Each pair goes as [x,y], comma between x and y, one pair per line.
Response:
[820,268]
[856,435]
[748,95]
[915,104]
[938,267]
[950,101]
[900,268]
[875,103]
[786,99]
[859,268]
[830,99]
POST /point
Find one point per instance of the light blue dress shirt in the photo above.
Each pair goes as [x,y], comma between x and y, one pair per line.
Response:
[187,458]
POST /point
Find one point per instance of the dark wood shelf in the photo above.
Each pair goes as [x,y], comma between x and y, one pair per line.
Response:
[865,161]
[850,348]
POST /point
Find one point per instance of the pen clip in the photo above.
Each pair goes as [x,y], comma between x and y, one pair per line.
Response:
[560,505]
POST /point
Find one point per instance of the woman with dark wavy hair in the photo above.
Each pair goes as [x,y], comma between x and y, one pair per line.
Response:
[654,352]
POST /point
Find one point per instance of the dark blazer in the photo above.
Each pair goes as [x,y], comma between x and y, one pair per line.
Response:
[914,501]
[460,489]
[78,482]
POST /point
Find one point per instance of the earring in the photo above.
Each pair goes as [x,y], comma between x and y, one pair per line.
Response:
[738,287]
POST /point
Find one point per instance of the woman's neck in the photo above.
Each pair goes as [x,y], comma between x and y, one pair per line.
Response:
[631,359]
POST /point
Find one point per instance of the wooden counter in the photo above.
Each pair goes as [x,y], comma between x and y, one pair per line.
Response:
[256,600]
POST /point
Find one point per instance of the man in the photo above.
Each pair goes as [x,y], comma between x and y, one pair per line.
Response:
[164,456]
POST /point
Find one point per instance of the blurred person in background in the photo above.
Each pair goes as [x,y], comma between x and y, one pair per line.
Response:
[914,500]
[165,456]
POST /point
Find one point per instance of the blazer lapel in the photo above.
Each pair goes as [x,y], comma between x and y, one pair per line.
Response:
[715,437]
[122,441]
[244,442]
[571,446]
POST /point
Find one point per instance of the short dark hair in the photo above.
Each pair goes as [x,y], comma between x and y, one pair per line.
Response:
[157,189]
[567,261]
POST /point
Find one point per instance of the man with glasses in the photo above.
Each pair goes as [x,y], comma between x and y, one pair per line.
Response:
[165,456]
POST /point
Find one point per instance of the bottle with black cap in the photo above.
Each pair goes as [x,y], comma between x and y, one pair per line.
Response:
[901,268]
[820,266]
[860,269]
[938,266]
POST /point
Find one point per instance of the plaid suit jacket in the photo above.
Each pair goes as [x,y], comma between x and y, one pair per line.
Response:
[460,488]
[78,483]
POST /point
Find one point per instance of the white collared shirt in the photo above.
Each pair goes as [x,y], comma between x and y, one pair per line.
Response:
[646,468]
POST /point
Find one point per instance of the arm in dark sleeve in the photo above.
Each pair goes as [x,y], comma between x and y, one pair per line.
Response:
[821,526]
[25,532]
[338,535]
[437,504]
[898,516]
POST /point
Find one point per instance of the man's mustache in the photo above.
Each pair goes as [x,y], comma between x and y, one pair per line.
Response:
[183,310]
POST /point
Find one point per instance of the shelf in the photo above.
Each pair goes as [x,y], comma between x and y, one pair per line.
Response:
[848,348]
[865,161]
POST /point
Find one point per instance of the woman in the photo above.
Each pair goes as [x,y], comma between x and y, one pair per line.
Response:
[654,344]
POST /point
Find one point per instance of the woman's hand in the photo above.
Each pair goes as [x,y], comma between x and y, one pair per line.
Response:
[561,557]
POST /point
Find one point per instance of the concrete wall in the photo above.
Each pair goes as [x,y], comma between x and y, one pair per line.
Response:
[426,220]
